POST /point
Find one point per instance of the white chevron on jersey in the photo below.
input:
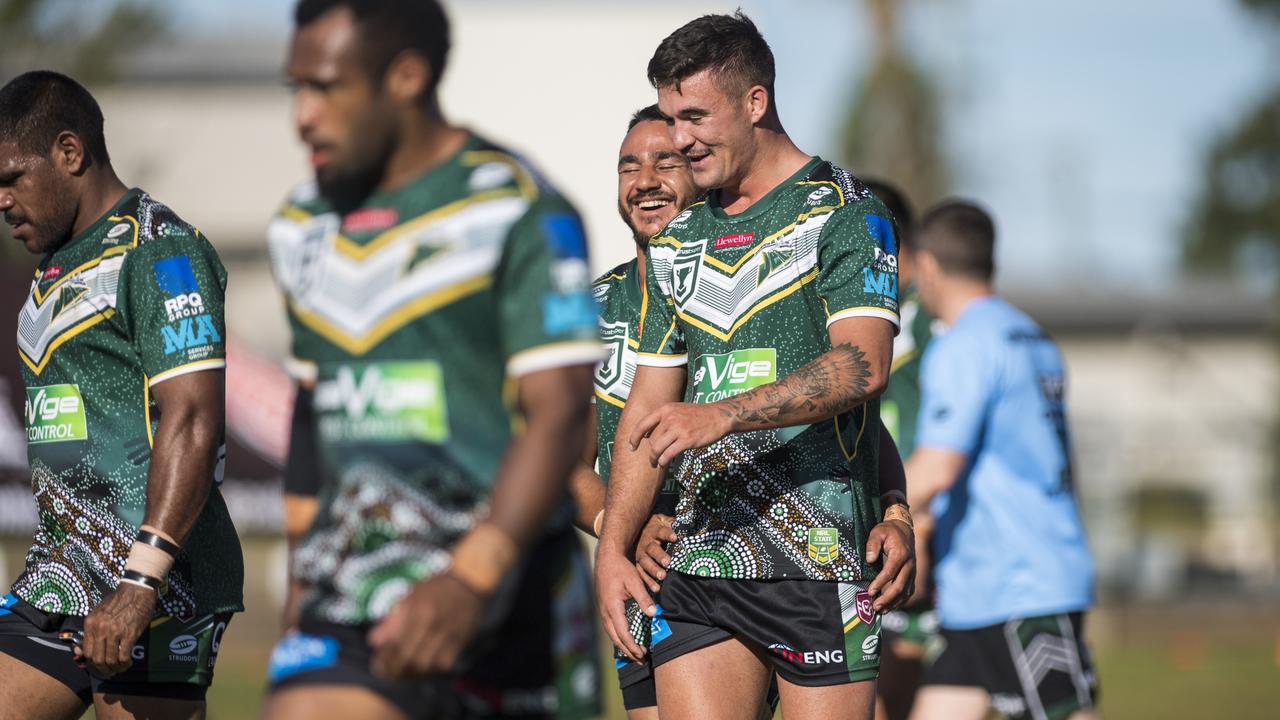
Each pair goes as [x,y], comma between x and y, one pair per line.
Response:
[355,298]
[721,299]
[70,303]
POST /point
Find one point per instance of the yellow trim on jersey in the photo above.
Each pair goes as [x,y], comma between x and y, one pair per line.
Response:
[359,345]
[295,213]
[607,278]
[644,309]
[109,252]
[347,247]
[65,336]
[903,359]
[666,240]
[857,442]
[195,366]
[852,623]
[146,409]
[609,399]
[733,269]
[632,342]
[528,188]
[724,336]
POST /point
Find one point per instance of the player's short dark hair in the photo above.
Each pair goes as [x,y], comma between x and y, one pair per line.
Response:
[729,45]
[896,202]
[388,28]
[646,114]
[36,106]
[961,236]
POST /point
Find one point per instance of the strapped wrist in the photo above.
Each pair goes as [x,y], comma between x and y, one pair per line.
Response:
[482,557]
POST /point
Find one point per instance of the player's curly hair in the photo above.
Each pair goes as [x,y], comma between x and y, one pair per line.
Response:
[388,28]
[729,45]
[36,106]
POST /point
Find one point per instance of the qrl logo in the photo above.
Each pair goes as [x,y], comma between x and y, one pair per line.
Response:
[186,305]
[866,611]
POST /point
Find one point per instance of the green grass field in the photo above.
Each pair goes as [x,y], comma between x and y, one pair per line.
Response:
[1185,660]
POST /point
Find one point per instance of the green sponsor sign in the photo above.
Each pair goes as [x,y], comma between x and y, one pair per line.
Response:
[391,401]
[728,374]
[55,413]
[824,545]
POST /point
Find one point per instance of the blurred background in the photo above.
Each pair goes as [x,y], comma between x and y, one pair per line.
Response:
[1130,153]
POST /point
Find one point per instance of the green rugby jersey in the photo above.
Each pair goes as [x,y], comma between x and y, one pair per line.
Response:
[618,293]
[134,300]
[746,300]
[900,403]
[414,315]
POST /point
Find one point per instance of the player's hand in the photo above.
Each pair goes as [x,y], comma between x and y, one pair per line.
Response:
[617,581]
[112,628]
[426,631]
[676,427]
[652,559]
[896,542]
[923,528]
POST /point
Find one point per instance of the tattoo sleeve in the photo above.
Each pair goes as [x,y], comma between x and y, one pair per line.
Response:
[832,383]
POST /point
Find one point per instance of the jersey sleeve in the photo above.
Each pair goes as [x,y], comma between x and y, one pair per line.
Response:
[174,296]
[956,384]
[858,263]
[662,342]
[546,314]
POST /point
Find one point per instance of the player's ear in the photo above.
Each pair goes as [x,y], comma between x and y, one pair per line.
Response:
[68,154]
[757,103]
[407,77]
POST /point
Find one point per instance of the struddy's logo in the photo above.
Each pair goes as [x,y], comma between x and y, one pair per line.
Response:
[727,241]
[685,269]
[820,194]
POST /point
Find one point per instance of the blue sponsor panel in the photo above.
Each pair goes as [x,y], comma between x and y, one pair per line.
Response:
[175,276]
[880,283]
[881,230]
[659,630]
[565,235]
[568,312]
[189,333]
[299,653]
[6,602]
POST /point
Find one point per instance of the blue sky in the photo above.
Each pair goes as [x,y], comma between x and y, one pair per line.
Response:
[1081,125]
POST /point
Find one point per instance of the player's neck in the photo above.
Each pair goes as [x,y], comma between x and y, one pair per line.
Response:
[640,257]
[776,159]
[960,296]
[104,190]
[424,145]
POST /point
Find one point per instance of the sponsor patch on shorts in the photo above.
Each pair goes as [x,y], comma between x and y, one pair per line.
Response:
[299,653]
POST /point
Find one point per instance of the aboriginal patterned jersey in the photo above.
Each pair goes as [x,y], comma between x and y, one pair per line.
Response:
[746,300]
[133,301]
[900,403]
[413,315]
[618,294]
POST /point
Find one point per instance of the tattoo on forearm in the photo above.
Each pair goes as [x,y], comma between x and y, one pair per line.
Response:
[825,387]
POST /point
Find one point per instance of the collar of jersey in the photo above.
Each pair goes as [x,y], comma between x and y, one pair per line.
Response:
[764,203]
[98,224]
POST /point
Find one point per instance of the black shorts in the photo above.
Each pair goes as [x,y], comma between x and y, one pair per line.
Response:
[534,656]
[1037,667]
[815,633]
[172,659]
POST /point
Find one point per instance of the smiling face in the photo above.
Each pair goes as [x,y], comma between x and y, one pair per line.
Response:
[37,199]
[713,128]
[654,182]
[345,119]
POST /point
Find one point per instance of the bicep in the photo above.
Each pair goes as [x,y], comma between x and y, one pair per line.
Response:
[554,392]
[872,337]
[194,397]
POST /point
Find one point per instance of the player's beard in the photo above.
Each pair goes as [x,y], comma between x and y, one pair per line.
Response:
[641,239]
[346,188]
